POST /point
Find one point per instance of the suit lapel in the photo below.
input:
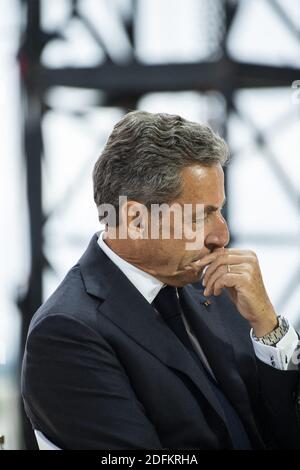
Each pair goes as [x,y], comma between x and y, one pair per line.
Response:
[209,328]
[212,329]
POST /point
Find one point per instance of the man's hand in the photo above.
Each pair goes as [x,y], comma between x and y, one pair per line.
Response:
[245,286]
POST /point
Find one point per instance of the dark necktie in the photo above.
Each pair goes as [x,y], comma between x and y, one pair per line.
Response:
[168,305]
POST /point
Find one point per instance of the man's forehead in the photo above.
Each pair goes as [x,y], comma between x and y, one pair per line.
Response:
[203,185]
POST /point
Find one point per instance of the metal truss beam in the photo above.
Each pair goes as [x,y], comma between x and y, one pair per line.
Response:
[136,78]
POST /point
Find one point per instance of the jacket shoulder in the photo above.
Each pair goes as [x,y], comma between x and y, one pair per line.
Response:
[69,300]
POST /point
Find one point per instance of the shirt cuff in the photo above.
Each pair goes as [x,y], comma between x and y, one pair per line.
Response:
[279,356]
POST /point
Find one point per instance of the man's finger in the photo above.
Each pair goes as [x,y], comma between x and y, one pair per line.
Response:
[221,271]
[226,260]
[202,262]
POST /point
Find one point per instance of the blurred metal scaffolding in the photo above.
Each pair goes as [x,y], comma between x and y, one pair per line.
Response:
[122,84]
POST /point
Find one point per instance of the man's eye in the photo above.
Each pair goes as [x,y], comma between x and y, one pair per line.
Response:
[199,220]
[207,215]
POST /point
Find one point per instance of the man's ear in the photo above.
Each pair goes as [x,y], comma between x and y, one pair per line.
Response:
[136,215]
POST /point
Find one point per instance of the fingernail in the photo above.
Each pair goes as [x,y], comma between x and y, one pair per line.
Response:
[204,282]
[205,292]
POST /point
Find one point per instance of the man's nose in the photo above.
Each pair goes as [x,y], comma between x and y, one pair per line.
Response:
[219,235]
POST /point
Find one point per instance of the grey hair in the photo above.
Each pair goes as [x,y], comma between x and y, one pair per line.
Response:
[144,156]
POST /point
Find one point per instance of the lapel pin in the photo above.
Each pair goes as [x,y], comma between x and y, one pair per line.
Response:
[206,303]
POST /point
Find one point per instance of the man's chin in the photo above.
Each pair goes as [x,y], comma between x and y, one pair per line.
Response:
[189,277]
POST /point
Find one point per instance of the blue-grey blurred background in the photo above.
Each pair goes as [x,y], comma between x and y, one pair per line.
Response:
[69,69]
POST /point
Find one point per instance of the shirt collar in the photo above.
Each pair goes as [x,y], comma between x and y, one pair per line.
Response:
[146,284]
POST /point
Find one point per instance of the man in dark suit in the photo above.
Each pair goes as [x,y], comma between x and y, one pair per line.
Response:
[151,342]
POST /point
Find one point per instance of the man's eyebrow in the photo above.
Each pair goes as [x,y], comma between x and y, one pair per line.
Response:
[210,208]
[214,208]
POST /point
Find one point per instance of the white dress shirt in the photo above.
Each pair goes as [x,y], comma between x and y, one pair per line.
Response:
[278,356]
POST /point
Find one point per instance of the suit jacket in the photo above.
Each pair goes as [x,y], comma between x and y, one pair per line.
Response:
[102,370]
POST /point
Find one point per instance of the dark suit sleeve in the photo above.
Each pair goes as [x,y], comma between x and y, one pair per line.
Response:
[76,390]
[281,401]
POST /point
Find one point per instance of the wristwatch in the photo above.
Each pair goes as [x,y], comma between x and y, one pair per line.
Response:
[272,338]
